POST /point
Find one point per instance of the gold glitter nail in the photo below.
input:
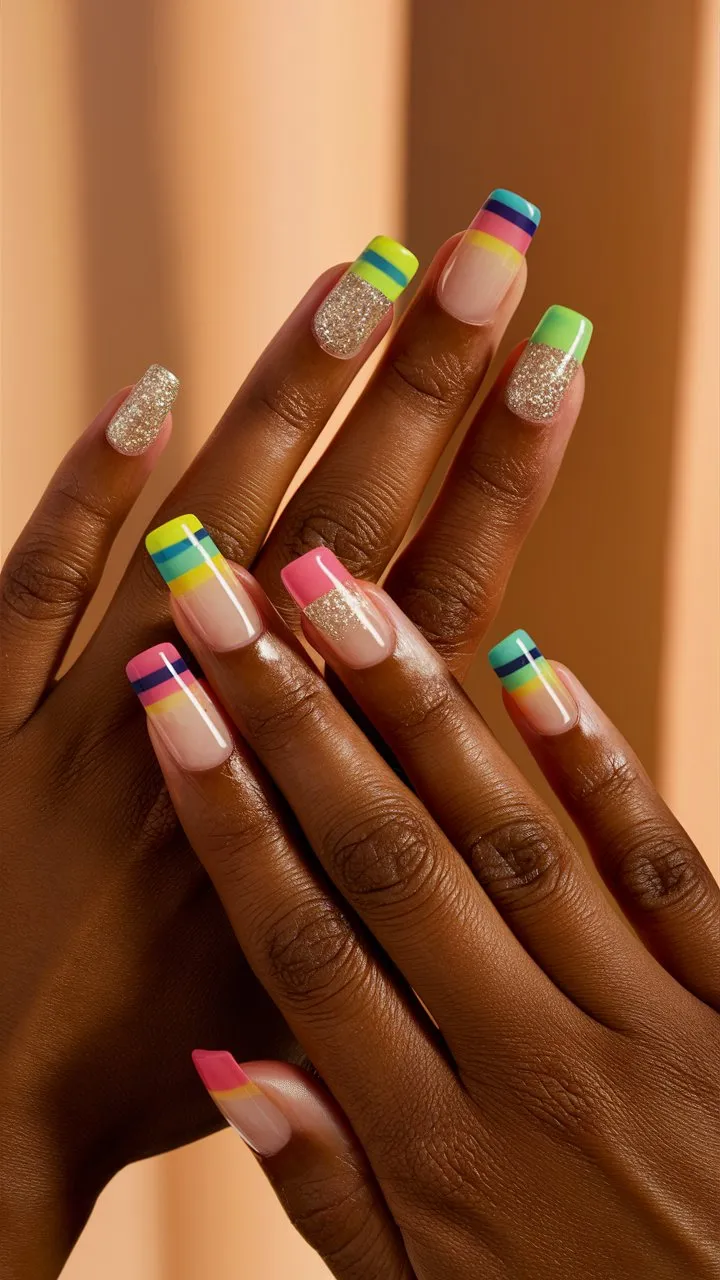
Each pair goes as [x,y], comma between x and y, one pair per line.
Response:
[138,420]
[337,611]
[344,321]
[538,382]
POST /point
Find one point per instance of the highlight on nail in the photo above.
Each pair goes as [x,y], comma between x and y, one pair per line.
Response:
[547,367]
[253,1115]
[338,607]
[215,602]
[533,684]
[137,423]
[363,296]
[180,709]
[487,259]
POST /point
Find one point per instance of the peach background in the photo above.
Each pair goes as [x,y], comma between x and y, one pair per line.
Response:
[177,171]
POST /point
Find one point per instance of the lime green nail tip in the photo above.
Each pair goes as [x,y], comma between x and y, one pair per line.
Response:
[565,330]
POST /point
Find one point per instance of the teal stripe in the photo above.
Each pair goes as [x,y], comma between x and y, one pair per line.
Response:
[189,559]
[509,649]
[517,203]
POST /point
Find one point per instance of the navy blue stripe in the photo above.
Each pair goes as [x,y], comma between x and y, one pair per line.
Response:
[382,264]
[167,553]
[158,677]
[512,215]
[508,667]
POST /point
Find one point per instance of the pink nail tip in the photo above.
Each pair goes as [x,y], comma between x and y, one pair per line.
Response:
[218,1070]
[313,575]
[143,664]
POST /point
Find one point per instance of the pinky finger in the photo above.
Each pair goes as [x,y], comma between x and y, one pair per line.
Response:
[313,1161]
[54,567]
[646,858]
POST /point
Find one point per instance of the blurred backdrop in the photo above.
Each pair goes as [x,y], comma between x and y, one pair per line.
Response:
[176,173]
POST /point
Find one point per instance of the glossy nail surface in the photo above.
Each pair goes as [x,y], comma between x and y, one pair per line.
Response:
[336,605]
[487,259]
[537,385]
[354,308]
[181,711]
[138,420]
[209,593]
[256,1118]
[533,684]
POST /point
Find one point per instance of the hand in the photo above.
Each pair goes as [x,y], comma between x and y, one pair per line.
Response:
[118,957]
[556,1114]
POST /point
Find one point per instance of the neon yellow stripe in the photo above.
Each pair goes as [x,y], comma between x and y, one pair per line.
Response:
[166,535]
[194,577]
[242,1091]
[503,250]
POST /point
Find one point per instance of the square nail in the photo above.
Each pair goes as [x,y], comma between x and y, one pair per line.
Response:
[337,606]
[487,259]
[533,684]
[181,711]
[214,601]
[542,376]
[138,421]
[346,319]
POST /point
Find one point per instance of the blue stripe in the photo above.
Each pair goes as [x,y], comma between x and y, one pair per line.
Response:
[382,264]
[511,215]
[184,544]
[517,663]
[158,677]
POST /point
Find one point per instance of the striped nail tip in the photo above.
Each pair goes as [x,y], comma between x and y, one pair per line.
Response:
[504,226]
[219,1071]
[184,554]
[511,200]
[314,574]
[387,265]
[564,330]
[175,530]
[159,674]
[511,649]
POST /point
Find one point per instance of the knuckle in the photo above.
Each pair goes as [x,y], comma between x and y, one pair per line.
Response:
[435,383]
[445,599]
[556,1091]
[334,1211]
[658,871]
[504,480]
[298,702]
[428,712]
[606,779]
[294,407]
[387,855]
[520,863]
[311,954]
[347,525]
[38,584]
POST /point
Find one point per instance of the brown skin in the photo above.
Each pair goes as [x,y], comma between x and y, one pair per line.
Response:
[117,958]
[564,1118]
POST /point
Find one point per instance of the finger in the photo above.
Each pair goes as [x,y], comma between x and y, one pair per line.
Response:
[243,471]
[54,567]
[451,578]
[313,1160]
[362,494]
[650,864]
[360,1025]
[378,845]
[511,841]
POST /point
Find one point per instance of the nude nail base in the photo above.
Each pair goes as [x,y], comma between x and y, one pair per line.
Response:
[260,1123]
[533,684]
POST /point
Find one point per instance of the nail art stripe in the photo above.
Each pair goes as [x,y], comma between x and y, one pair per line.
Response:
[386,265]
[523,669]
[184,554]
[243,1103]
[564,330]
[160,677]
[505,225]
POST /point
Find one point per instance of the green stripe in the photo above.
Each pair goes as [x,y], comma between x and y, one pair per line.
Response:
[565,330]
[190,559]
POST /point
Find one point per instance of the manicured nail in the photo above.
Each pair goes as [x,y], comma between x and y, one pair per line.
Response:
[138,420]
[338,607]
[533,684]
[547,366]
[217,606]
[353,309]
[487,259]
[180,710]
[250,1112]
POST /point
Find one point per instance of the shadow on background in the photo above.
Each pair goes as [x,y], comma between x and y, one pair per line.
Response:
[586,111]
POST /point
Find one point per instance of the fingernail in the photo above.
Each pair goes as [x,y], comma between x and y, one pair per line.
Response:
[180,710]
[250,1112]
[354,308]
[533,684]
[547,366]
[487,259]
[339,609]
[138,420]
[217,606]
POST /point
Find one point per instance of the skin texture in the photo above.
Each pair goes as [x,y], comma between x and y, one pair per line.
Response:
[559,1114]
[117,957]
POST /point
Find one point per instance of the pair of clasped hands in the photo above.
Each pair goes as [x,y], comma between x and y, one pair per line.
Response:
[453,1053]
